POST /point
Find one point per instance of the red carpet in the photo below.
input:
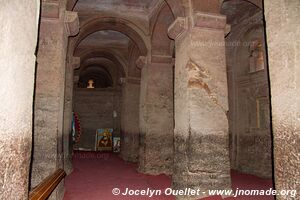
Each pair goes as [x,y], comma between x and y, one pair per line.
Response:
[96,174]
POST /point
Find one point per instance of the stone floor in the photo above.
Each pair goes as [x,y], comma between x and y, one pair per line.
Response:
[96,174]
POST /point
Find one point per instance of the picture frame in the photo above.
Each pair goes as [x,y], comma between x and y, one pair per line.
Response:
[104,139]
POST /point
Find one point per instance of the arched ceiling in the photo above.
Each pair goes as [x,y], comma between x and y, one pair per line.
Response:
[106,64]
[144,8]
[103,54]
[118,38]
[119,31]
[238,10]
[113,41]
[105,46]
[160,41]
[100,76]
[134,6]
[114,24]
[106,38]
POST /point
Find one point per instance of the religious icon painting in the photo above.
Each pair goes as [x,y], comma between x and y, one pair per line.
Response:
[104,141]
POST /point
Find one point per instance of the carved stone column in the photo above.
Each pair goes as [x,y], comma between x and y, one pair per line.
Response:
[55,27]
[156,116]
[201,103]
[283,35]
[130,118]
[18,33]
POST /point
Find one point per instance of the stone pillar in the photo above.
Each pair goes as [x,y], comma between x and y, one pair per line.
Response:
[130,119]
[156,117]
[55,27]
[283,33]
[201,103]
[73,63]
[18,42]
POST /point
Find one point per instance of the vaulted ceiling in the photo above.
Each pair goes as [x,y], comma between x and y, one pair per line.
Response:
[110,43]
[127,26]
[238,10]
[131,7]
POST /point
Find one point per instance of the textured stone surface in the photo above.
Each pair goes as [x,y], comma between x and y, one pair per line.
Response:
[249,102]
[156,150]
[156,104]
[284,59]
[49,100]
[72,63]
[130,133]
[110,41]
[72,26]
[201,157]
[17,67]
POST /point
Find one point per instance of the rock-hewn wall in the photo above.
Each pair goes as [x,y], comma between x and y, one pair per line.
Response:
[95,108]
[130,134]
[56,25]
[49,96]
[283,36]
[17,67]
[201,157]
[156,150]
[249,103]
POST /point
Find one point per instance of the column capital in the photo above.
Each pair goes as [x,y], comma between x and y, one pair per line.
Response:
[71,23]
[141,62]
[50,9]
[178,27]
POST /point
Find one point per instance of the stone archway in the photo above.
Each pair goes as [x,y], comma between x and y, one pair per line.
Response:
[109,23]
[175,5]
[129,84]
[103,53]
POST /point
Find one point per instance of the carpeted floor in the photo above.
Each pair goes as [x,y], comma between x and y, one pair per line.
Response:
[95,175]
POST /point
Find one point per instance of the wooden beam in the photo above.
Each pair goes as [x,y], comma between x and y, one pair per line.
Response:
[44,189]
